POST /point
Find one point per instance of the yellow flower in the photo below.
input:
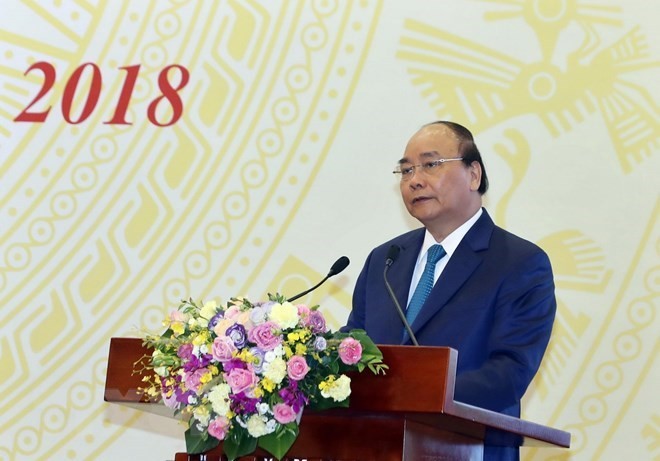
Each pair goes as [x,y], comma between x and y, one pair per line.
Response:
[301,349]
[304,335]
[178,328]
[246,356]
[324,385]
[293,336]
[268,384]
[206,377]
[201,339]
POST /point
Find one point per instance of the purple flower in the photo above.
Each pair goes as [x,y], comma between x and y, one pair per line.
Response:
[183,397]
[258,354]
[237,334]
[258,314]
[195,362]
[229,365]
[205,359]
[293,397]
[214,320]
[192,364]
[316,322]
[320,343]
[241,404]
[171,401]
[185,351]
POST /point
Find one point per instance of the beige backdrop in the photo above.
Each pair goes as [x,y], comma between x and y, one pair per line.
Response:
[293,117]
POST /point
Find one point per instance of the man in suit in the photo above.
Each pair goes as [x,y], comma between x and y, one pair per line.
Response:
[491,293]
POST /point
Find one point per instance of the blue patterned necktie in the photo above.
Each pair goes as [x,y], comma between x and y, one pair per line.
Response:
[425,284]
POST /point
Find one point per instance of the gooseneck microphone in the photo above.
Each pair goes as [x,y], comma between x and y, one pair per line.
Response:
[339,265]
[392,254]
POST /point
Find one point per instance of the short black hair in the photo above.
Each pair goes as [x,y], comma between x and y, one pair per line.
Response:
[467,149]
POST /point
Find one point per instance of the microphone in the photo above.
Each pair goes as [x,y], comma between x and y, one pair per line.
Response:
[392,255]
[339,265]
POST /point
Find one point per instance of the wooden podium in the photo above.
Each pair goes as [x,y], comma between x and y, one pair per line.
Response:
[407,415]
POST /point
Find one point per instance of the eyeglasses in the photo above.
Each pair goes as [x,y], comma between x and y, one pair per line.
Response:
[430,168]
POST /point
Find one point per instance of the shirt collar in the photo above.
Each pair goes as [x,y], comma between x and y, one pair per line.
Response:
[450,243]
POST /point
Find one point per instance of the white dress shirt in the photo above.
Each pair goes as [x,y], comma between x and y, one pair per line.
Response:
[450,243]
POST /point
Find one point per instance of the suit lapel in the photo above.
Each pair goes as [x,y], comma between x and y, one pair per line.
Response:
[402,269]
[399,276]
[461,266]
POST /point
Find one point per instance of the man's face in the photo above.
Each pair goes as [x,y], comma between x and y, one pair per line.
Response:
[447,196]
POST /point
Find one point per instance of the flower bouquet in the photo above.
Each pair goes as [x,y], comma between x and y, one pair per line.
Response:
[243,372]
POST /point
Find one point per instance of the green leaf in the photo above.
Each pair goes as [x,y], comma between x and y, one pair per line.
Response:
[278,443]
[239,443]
[199,442]
[324,404]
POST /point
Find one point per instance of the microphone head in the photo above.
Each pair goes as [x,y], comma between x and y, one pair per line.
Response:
[392,254]
[339,265]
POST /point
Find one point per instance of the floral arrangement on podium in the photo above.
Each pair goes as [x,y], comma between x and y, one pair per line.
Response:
[243,372]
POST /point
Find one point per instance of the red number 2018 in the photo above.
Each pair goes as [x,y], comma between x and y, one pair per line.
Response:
[168,92]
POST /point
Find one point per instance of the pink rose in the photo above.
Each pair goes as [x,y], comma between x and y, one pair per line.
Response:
[194,380]
[223,348]
[241,380]
[303,310]
[264,336]
[178,316]
[218,427]
[350,351]
[232,312]
[284,413]
[297,367]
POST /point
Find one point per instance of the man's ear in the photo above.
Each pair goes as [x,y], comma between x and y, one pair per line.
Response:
[475,175]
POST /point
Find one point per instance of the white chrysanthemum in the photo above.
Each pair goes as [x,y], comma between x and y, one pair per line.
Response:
[257,426]
[275,370]
[219,398]
[269,356]
[263,408]
[339,390]
[271,425]
[208,310]
[284,315]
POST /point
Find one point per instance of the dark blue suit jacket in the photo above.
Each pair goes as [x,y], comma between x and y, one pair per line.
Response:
[494,302]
